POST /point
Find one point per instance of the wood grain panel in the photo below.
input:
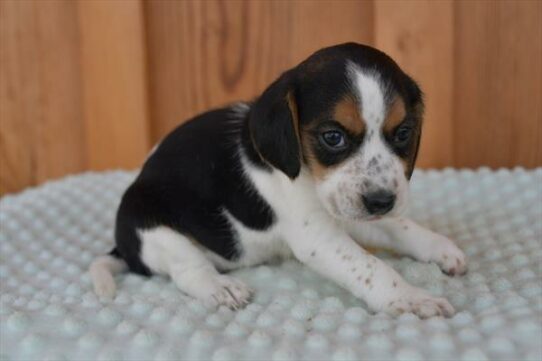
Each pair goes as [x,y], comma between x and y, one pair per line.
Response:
[418,35]
[114,83]
[41,133]
[498,83]
[206,54]
[90,84]
[317,24]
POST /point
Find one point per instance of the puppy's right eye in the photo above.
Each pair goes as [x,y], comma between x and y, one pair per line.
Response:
[334,140]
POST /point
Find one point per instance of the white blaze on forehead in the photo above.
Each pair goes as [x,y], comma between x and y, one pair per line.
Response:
[369,91]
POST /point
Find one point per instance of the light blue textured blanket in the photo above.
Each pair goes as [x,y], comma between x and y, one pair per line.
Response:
[50,234]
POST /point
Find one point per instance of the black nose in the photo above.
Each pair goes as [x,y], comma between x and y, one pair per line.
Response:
[379,202]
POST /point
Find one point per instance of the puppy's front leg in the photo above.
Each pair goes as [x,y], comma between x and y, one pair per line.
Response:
[329,250]
[407,237]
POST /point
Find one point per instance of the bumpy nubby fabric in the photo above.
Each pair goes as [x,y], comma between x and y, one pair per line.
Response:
[50,234]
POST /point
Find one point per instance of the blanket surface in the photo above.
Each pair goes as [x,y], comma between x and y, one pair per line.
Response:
[50,234]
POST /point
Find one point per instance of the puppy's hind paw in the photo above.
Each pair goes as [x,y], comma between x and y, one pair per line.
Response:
[230,292]
[105,288]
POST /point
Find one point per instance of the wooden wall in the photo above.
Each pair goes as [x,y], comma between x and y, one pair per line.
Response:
[93,84]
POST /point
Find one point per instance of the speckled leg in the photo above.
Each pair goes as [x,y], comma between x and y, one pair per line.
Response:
[330,251]
[406,237]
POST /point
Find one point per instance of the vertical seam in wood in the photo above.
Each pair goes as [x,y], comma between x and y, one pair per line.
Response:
[146,74]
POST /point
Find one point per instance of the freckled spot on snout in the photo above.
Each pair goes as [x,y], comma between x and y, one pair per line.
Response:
[395,183]
[405,227]
[373,162]
[394,283]
[346,257]
[313,253]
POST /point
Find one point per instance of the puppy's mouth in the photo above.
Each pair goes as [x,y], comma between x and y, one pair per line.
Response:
[357,211]
[377,217]
[363,216]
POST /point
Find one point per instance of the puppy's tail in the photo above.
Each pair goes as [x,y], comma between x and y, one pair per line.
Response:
[102,270]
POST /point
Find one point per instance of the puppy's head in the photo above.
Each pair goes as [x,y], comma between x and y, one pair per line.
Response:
[351,118]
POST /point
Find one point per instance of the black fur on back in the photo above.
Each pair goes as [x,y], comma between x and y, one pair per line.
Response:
[189,180]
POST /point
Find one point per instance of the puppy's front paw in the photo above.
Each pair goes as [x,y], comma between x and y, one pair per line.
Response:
[449,257]
[230,292]
[421,304]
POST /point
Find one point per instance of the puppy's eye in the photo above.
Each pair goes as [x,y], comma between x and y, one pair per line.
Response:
[402,135]
[334,139]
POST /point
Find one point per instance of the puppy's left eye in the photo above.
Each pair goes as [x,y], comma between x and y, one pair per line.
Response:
[402,135]
[334,139]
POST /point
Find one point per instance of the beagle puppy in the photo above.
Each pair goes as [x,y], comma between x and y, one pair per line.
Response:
[316,168]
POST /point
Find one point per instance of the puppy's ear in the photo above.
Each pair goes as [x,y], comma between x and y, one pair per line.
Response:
[415,99]
[274,127]
[416,148]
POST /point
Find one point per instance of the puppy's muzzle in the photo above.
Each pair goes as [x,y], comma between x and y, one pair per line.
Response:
[379,202]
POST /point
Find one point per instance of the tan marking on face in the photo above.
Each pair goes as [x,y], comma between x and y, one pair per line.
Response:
[318,170]
[395,116]
[406,165]
[290,99]
[346,112]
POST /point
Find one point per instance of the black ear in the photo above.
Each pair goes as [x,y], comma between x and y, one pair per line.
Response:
[416,108]
[415,155]
[413,92]
[274,127]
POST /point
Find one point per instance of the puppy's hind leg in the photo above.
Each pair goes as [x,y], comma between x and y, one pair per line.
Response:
[166,251]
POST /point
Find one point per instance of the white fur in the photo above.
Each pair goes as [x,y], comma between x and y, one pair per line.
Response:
[370,93]
[257,246]
[101,272]
[320,242]
[373,167]
[168,252]
[406,237]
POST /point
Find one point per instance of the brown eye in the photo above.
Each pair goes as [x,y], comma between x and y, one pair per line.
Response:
[402,135]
